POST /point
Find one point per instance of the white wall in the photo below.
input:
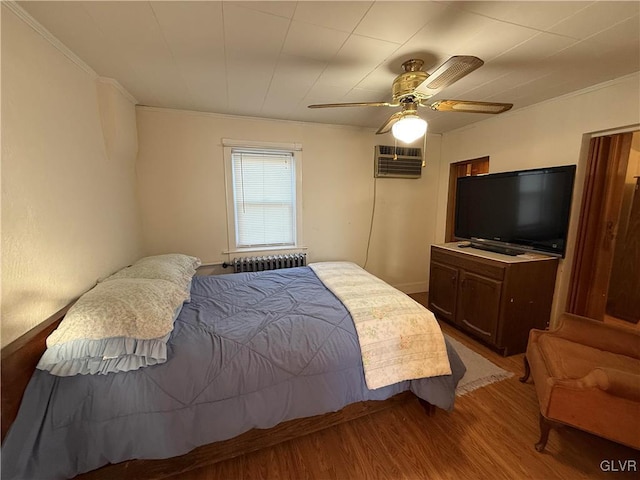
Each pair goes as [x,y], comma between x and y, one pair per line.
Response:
[69,183]
[182,192]
[551,133]
[69,211]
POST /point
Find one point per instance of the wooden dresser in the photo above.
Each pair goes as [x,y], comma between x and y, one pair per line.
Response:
[494,297]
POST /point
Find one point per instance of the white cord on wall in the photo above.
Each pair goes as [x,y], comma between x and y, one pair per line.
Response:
[375,179]
[373,212]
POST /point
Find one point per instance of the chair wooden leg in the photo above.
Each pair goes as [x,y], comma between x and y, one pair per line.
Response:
[527,370]
[545,428]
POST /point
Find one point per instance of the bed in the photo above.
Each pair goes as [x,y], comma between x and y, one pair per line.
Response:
[249,351]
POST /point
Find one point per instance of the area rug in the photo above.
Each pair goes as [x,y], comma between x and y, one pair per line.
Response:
[480,371]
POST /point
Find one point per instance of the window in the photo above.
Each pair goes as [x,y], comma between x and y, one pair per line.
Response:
[263,197]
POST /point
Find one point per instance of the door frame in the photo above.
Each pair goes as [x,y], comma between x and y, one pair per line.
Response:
[598,224]
[474,166]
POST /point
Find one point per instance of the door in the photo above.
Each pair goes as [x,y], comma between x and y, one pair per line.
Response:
[623,300]
[598,224]
[479,304]
[443,290]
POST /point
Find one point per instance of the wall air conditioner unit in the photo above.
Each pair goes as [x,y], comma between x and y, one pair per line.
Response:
[397,162]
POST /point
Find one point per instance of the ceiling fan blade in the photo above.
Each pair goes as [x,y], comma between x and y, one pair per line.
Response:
[386,126]
[470,106]
[357,104]
[448,73]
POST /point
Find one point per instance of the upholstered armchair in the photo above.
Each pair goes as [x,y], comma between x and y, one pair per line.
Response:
[587,375]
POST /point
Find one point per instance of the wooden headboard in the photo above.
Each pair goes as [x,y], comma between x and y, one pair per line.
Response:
[19,360]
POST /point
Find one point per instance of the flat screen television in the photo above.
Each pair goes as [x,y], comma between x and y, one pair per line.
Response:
[516,212]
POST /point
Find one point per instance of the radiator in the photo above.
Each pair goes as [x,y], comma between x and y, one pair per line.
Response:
[271,262]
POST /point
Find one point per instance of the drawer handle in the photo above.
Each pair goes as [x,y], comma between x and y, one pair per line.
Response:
[473,327]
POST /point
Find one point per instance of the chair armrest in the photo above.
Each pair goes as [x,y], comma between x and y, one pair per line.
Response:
[615,382]
[596,334]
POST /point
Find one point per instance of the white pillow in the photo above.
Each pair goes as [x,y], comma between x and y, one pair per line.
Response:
[158,269]
[119,325]
[185,261]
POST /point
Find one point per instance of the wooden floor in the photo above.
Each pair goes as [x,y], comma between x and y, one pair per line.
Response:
[489,435]
[620,322]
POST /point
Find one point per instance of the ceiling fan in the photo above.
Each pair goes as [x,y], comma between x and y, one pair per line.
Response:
[412,88]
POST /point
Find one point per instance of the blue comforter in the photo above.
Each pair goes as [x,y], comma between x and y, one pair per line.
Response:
[249,351]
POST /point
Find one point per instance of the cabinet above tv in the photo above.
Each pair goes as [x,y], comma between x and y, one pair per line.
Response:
[493,297]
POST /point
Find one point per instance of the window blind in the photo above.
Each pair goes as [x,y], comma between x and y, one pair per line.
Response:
[264,191]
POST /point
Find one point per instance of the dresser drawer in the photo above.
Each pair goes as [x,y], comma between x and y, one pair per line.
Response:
[477,265]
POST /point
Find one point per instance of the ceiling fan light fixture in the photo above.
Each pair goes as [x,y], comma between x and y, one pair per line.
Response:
[409,128]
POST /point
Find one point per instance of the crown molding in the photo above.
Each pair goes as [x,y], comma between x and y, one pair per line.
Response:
[250,118]
[48,36]
[62,48]
[576,93]
[114,83]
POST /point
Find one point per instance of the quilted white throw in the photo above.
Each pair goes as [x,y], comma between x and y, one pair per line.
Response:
[399,338]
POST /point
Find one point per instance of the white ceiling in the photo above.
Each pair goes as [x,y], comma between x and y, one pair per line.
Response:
[271,59]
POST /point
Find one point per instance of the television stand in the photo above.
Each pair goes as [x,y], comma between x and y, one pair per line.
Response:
[493,297]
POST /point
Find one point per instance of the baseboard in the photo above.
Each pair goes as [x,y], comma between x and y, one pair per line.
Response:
[416,287]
